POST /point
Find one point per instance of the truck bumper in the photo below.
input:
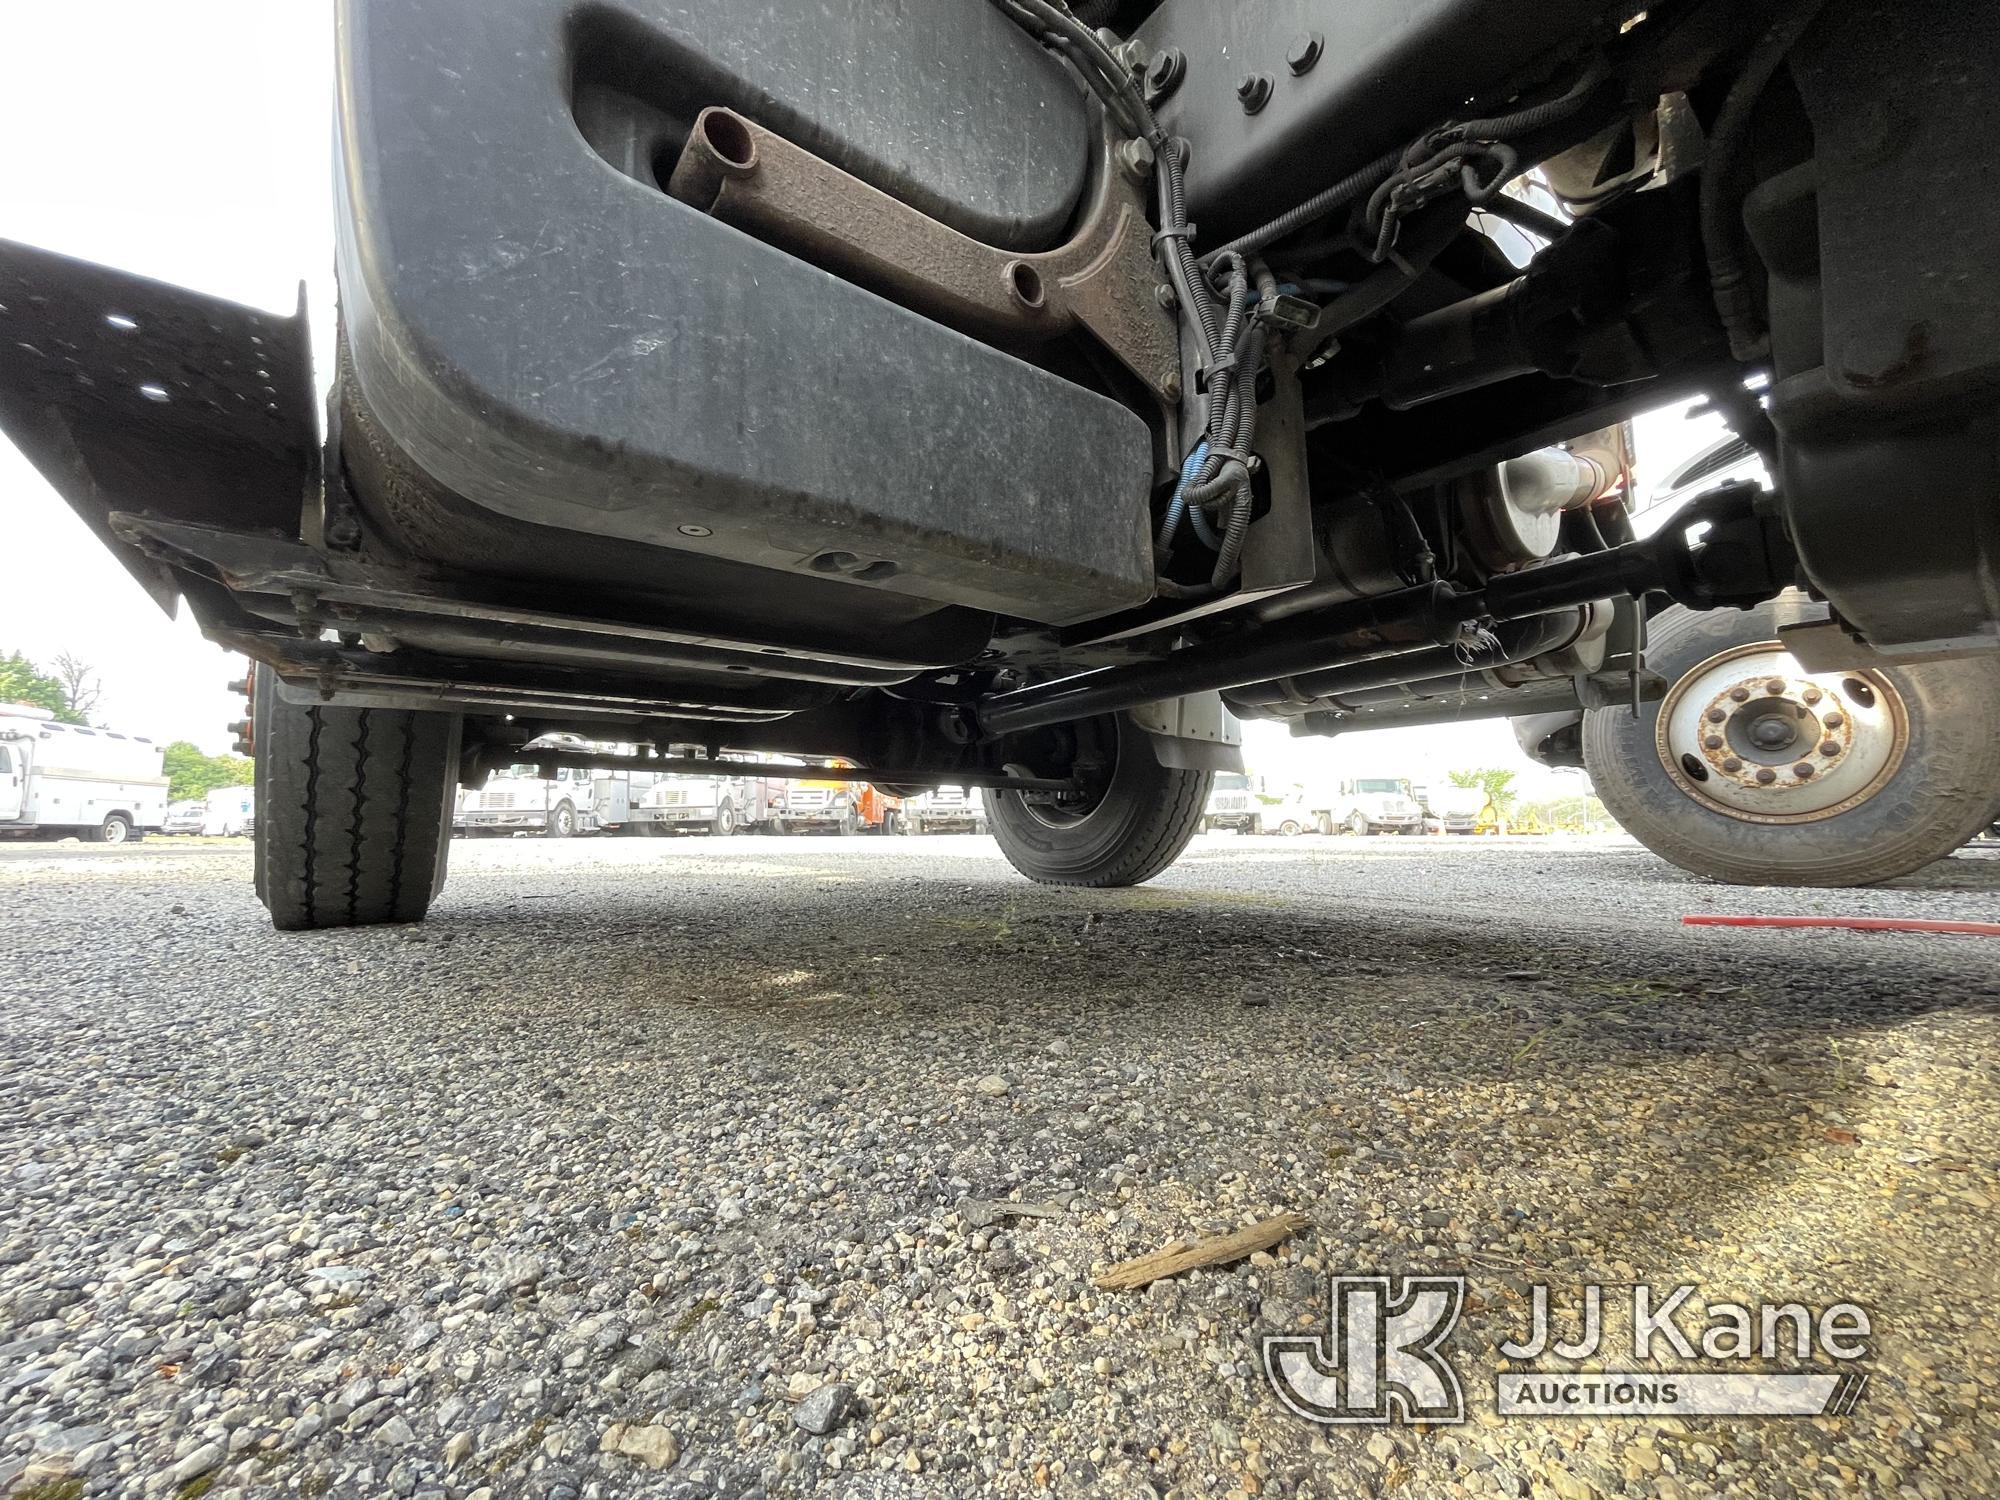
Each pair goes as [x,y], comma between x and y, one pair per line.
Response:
[516,818]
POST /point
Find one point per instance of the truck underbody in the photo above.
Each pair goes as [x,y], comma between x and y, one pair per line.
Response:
[973,401]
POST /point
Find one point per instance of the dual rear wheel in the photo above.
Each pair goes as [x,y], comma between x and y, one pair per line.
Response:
[1755,771]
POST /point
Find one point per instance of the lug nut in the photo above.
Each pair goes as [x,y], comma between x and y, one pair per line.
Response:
[1775,686]
[1834,721]
[1716,716]
[1766,776]
[1739,695]
[1712,742]
[1812,695]
[1732,765]
[1803,770]
[1829,747]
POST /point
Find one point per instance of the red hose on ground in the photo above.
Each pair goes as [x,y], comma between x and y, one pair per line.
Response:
[1857,924]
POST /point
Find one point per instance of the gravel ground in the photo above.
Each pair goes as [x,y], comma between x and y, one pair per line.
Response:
[670,1169]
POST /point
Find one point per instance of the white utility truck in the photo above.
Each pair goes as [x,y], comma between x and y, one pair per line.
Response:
[1371,804]
[1458,808]
[58,779]
[518,798]
[719,804]
[230,812]
[1233,803]
[946,809]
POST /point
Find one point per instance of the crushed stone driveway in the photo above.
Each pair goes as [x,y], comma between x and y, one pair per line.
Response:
[786,1167]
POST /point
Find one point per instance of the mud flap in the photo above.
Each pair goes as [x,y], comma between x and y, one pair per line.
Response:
[1196,733]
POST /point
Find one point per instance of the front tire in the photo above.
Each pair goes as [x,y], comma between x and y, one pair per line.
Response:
[1899,763]
[562,822]
[724,822]
[1127,831]
[354,809]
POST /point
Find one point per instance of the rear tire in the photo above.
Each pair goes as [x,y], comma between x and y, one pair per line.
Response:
[353,810]
[1927,725]
[1138,825]
[115,829]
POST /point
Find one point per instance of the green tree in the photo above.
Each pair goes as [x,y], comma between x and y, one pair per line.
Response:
[1494,781]
[21,681]
[191,774]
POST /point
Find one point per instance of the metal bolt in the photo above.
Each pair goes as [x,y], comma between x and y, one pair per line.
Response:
[1253,92]
[1732,765]
[1829,747]
[1766,776]
[1135,159]
[1713,742]
[1739,695]
[1305,51]
[1132,56]
[1164,74]
[1803,770]
[1164,295]
[1716,716]
[1171,386]
[1812,695]
[1775,686]
[690,529]
[1834,721]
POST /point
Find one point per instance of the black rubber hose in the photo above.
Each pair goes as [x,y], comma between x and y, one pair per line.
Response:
[1345,191]
[1721,205]
[1536,116]
[1520,122]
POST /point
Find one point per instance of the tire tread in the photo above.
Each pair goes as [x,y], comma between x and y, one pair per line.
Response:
[352,808]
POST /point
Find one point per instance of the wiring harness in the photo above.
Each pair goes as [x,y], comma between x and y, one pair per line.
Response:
[1214,302]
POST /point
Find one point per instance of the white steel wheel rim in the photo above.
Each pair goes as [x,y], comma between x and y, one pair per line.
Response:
[114,831]
[1751,734]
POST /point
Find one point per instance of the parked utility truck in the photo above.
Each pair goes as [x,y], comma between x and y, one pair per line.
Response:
[61,779]
[519,798]
[230,812]
[1233,804]
[1371,804]
[947,809]
[834,807]
[724,803]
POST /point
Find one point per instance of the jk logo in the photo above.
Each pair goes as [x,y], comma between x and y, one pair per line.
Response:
[1379,1360]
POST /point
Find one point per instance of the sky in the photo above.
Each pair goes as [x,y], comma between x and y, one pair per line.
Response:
[193,143]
